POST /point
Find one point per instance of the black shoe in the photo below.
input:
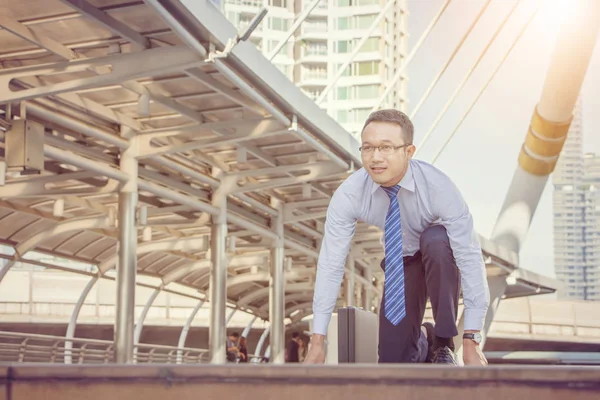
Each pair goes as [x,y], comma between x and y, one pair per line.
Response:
[444,355]
[430,332]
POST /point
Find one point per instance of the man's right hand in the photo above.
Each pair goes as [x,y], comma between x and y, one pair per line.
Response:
[316,352]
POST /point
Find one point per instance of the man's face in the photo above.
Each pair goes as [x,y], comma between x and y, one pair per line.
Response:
[385,163]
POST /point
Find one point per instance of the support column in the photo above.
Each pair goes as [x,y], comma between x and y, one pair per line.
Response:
[550,122]
[218,281]
[73,321]
[185,330]
[140,324]
[261,341]
[368,289]
[127,266]
[350,281]
[277,292]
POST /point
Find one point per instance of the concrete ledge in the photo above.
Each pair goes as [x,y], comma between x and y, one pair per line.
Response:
[53,382]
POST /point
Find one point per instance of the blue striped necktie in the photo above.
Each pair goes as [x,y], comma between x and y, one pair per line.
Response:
[394,261]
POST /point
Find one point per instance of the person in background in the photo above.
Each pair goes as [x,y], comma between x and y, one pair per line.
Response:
[301,350]
[291,353]
[243,350]
[232,347]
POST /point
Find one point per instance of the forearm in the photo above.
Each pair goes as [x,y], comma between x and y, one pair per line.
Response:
[327,289]
[476,295]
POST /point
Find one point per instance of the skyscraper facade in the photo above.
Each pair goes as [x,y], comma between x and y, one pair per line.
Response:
[325,41]
[576,201]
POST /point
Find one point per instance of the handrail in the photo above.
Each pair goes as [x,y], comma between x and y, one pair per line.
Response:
[31,348]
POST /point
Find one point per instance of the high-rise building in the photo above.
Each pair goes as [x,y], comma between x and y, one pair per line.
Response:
[325,41]
[576,201]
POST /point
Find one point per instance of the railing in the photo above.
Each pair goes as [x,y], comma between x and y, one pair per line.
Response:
[33,348]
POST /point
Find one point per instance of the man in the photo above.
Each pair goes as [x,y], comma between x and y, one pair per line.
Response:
[430,247]
[232,349]
[291,352]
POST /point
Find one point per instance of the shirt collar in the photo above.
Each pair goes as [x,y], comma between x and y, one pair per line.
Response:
[408,182]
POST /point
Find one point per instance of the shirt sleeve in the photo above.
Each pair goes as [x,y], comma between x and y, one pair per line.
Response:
[458,221]
[339,230]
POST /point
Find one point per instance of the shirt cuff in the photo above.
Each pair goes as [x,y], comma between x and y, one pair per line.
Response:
[320,324]
[474,319]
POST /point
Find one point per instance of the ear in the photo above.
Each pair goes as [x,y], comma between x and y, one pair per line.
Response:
[410,151]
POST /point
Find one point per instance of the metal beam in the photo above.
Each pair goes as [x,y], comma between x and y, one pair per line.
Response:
[190,243]
[227,91]
[218,281]
[435,80]
[123,67]
[466,78]
[185,330]
[277,291]
[137,40]
[127,268]
[208,142]
[305,217]
[60,228]
[24,32]
[73,320]
[352,55]
[140,323]
[399,71]
[303,15]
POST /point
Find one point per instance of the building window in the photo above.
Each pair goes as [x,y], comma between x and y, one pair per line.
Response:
[278,3]
[346,71]
[366,68]
[343,93]
[372,44]
[367,92]
[279,24]
[344,46]
[342,116]
[361,114]
[343,23]
[364,21]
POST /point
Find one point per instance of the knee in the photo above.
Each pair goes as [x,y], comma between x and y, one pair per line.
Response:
[434,240]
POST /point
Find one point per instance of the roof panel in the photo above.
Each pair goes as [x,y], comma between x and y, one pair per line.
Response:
[33,9]
[13,223]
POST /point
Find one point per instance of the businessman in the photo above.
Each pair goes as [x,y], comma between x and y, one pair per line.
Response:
[429,244]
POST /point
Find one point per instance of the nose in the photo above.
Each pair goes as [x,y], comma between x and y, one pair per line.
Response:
[376,155]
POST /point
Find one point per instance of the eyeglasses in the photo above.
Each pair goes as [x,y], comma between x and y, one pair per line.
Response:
[386,149]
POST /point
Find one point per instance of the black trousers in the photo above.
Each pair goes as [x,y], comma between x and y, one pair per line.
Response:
[431,272]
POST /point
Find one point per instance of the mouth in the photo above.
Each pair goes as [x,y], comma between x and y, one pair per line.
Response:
[378,169]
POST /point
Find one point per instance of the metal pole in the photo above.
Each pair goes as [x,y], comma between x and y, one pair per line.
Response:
[277,293]
[360,44]
[456,49]
[73,321]
[350,281]
[368,289]
[261,341]
[218,281]
[400,70]
[185,330]
[127,268]
[140,324]
[500,64]
[249,327]
[295,26]
[466,78]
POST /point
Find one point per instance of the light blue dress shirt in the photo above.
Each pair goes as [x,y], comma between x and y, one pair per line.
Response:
[427,197]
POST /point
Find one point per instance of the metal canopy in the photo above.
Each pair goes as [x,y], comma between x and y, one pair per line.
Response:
[102,74]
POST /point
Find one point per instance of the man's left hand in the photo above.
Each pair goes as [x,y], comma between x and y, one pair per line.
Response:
[472,354]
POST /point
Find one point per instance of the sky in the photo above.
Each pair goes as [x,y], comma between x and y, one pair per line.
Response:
[482,156]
